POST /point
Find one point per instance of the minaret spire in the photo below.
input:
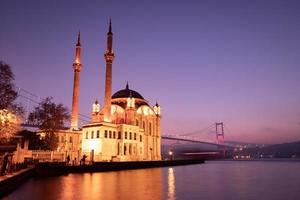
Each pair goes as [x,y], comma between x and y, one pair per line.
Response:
[78,50]
[76,84]
[109,30]
[109,57]
[78,39]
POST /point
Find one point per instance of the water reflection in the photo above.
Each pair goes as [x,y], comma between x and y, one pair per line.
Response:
[171,184]
[131,184]
[213,180]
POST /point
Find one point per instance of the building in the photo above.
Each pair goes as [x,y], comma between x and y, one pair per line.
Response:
[126,128]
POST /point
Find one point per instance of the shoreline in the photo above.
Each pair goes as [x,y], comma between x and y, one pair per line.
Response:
[54,169]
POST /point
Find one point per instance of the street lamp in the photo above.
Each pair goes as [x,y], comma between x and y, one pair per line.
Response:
[171,154]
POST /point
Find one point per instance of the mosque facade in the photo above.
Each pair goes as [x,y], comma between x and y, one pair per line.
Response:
[125,128]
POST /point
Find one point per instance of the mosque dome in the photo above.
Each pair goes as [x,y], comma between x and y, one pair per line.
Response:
[125,93]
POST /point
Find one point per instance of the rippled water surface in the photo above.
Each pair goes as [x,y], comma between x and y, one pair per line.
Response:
[212,180]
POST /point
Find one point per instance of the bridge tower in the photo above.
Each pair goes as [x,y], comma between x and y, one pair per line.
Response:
[220,132]
[220,137]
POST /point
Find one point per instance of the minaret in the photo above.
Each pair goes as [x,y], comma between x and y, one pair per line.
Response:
[109,57]
[75,101]
[157,140]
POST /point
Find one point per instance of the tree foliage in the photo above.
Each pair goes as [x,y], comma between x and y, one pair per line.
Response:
[50,118]
[9,125]
[10,111]
[8,93]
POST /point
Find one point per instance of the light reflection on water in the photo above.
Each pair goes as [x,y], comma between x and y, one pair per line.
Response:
[130,184]
[171,184]
[213,180]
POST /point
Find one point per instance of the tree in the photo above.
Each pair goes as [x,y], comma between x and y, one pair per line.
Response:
[10,111]
[50,118]
[8,93]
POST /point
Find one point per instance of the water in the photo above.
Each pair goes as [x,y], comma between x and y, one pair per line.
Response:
[228,180]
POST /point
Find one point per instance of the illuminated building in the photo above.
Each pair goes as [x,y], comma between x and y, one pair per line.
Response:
[126,128]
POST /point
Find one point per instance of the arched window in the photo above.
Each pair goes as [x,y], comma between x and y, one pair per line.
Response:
[137,122]
[86,135]
[150,129]
[130,149]
[144,125]
[130,135]
[92,136]
[125,135]
[98,133]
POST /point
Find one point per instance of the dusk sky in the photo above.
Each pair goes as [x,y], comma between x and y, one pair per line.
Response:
[203,61]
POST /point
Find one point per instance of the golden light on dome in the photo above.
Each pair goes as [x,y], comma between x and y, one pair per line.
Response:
[130,102]
[116,109]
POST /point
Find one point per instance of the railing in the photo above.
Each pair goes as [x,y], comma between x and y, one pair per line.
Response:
[45,156]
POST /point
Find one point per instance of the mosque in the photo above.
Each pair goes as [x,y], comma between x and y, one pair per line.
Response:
[125,128]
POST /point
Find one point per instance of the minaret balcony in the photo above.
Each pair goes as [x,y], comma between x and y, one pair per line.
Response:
[77,66]
[109,56]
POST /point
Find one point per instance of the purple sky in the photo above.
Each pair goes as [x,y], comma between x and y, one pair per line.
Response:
[204,61]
